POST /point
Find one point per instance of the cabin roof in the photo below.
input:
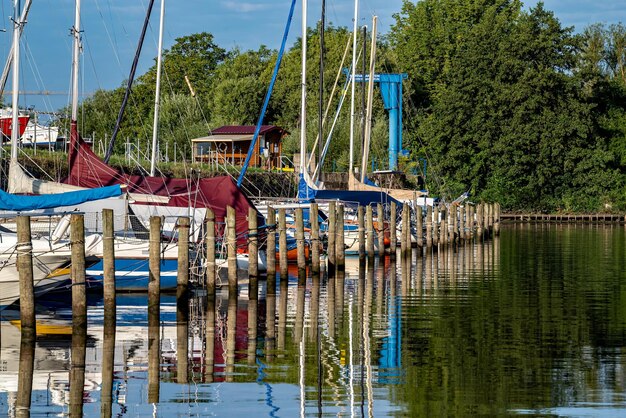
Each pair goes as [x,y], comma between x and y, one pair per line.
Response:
[223,138]
[245,129]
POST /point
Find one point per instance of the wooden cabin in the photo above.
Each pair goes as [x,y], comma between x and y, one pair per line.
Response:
[230,145]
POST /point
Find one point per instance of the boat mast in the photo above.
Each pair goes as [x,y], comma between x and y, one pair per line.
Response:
[9,62]
[303,98]
[155,129]
[354,36]
[75,60]
[15,127]
[370,96]
[320,122]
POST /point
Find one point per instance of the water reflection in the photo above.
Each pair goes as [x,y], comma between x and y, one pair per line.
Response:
[530,323]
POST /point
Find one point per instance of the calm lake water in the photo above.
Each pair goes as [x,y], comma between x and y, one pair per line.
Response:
[530,323]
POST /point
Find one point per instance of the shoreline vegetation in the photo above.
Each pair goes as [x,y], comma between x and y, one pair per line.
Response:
[500,101]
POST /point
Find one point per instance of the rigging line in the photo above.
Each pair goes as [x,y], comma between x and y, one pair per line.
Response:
[131,78]
[36,74]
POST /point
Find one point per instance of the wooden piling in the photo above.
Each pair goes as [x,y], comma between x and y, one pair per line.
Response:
[282,243]
[24,250]
[486,220]
[361,230]
[380,232]
[479,221]
[231,243]
[496,224]
[419,227]
[450,224]
[154,274]
[253,245]
[182,277]
[108,262]
[270,250]
[210,252]
[392,230]
[406,226]
[467,226]
[429,227]
[77,270]
[340,248]
[369,227]
[300,239]
[315,238]
[436,226]
[332,236]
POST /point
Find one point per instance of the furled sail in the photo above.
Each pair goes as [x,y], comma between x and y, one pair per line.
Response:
[10,201]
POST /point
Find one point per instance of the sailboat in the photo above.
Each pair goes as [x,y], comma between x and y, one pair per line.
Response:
[51,255]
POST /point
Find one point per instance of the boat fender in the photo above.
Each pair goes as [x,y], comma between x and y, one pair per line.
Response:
[61,228]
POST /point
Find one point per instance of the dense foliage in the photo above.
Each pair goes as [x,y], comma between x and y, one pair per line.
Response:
[502,101]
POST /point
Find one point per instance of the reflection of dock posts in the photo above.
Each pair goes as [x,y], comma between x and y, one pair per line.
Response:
[270,251]
[315,238]
[380,231]
[154,292]
[330,303]
[108,343]
[496,220]
[314,307]
[253,304]
[210,253]
[79,315]
[340,284]
[25,373]
[231,332]
[231,243]
[369,227]
[436,227]
[282,316]
[429,227]
[24,249]
[253,286]
[210,337]
[282,243]
[300,239]
[332,230]
[419,228]
[393,240]
[404,232]
[340,248]
[361,231]
[299,320]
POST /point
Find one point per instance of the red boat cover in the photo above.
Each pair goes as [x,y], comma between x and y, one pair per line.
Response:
[216,193]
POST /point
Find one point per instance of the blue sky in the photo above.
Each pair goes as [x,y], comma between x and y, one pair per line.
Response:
[111,29]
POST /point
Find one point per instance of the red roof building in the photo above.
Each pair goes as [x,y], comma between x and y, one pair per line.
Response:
[230,144]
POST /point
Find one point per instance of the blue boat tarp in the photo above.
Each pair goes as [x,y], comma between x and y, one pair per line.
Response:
[305,192]
[14,202]
[363,198]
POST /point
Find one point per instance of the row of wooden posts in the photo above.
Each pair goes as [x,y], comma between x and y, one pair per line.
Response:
[442,227]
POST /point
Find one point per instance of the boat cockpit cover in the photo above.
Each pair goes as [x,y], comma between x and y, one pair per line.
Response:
[23,203]
[216,193]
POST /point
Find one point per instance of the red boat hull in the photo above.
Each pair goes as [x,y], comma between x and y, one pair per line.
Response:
[5,126]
